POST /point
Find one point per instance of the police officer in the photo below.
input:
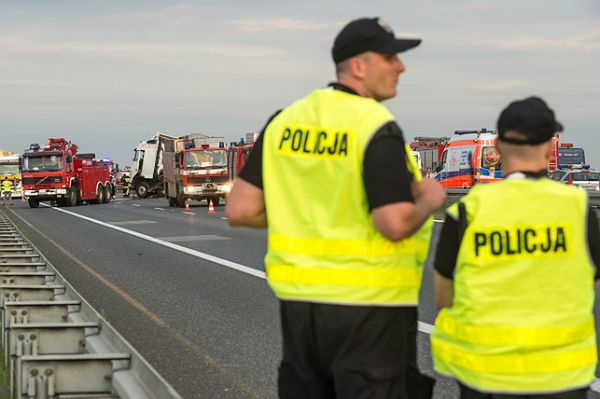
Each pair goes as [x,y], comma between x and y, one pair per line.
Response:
[7,191]
[344,201]
[515,267]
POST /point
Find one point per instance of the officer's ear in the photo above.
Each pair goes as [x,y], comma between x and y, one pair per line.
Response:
[357,66]
[549,149]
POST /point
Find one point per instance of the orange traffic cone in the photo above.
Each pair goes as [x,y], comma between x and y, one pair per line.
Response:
[187,205]
[211,208]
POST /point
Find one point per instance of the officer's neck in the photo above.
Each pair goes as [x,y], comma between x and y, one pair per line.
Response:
[354,84]
[512,165]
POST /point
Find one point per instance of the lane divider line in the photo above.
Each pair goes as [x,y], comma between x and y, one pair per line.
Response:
[159,209]
[188,213]
[425,327]
[180,248]
[135,205]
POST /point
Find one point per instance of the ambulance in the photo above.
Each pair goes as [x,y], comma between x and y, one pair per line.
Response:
[469,158]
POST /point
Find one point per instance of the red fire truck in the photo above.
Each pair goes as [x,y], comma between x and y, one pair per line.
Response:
[430,150]
[55,172]
[237,154]
[194,168]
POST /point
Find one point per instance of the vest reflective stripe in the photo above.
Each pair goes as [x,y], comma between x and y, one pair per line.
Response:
[322,244]
[519,336]
[521,319]
[516,365]
[369,277]
[338,247]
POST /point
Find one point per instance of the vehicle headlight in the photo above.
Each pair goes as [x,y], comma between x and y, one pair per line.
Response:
[227,187]
[188,189]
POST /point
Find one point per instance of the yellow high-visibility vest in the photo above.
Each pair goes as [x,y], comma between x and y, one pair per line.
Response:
[6,185]
[521,320]
[322,245]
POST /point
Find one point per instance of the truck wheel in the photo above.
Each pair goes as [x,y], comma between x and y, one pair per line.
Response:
[71,200]
[142,190]
[33,202]
[60,202]
[180,200]
[107,194]
[172,202]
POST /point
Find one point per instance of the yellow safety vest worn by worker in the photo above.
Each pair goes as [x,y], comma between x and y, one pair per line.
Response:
[322,244]
[521,320]
[6,186]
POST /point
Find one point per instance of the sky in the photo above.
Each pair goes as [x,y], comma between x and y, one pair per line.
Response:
[109,74]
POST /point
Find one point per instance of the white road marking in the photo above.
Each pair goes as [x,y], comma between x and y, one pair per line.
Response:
[159,209]
[197,254]
[223,217]
[425,328]
[207,237]
[126,222]
[188,213]
[135,205]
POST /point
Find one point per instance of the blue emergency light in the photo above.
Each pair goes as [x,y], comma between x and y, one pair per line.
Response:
[482,130]
[221,144]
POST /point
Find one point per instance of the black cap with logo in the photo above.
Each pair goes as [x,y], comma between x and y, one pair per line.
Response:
[530,117]
[368,34]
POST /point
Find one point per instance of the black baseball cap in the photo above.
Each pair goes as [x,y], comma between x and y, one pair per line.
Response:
[532,118]
[368,34]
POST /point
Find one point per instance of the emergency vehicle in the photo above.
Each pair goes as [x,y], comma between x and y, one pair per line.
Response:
[430,150]
[195,168]
[9,170]
[584,178]
[55,172]
[238,153]
[469,158]
[571,157]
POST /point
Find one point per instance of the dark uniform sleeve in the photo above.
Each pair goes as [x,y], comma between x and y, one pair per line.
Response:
[385,174]
[447,248]
[252,170]
[593,237]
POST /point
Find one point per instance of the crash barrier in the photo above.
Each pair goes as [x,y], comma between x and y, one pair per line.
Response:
[55,344]
[455,193]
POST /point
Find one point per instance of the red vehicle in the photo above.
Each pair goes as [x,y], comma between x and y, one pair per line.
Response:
[55,172]
[430,150]
[237,154]
[193,170]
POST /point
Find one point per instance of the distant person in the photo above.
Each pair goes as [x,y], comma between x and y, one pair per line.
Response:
[7,186]
[344,201]
[428,173]
[514,275]
[126,185]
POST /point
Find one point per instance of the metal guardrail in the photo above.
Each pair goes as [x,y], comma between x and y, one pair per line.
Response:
[55,342]
[455,193]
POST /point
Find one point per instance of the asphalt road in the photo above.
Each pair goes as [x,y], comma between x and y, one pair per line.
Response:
[185,289]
